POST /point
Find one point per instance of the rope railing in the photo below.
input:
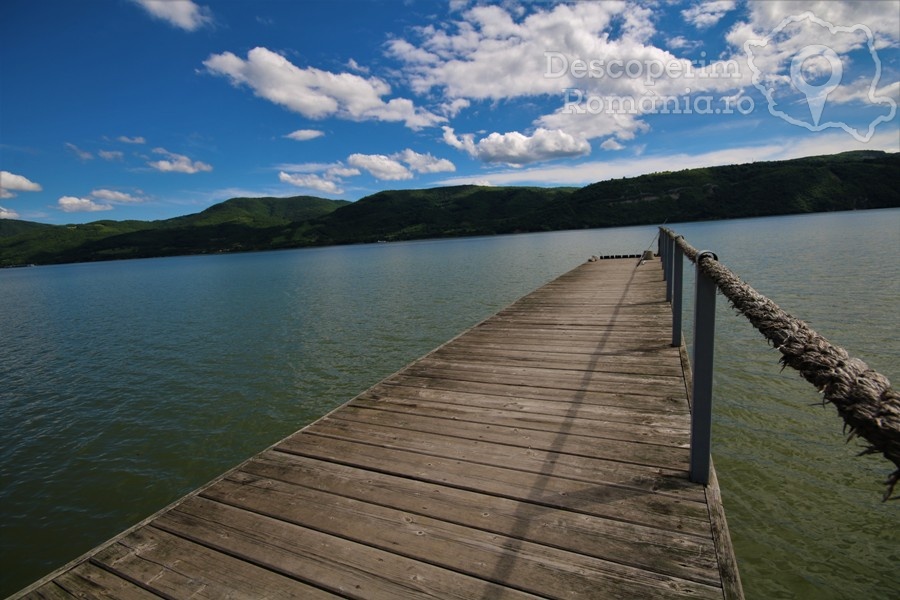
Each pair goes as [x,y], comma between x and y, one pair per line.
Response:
[864,398]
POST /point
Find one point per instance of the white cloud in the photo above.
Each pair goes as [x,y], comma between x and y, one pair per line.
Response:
[131,140]
[114,196]
[392,167]
[882,18]
[6,213]
[707,14]
[355,66]
[493,53]
[342,172]
[638,24]
[309,167]
[311,181]
[464,142]
[111,155]
[859,90]
[487,54]
[411,54]
[519,149]
[322,177]
[11,181]
[380,166]
[592,171]
[302,135]
[315,93]
[679,42]
[82,154]
[177,163]
[184,14]
[453,108]
[611,144]
[624,126]
[329,177]
[73,204]
[516,148]
[456,5]
[424,163]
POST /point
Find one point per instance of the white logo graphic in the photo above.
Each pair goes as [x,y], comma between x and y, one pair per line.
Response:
[767,59]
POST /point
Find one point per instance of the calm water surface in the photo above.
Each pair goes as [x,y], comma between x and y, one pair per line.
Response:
[124,385]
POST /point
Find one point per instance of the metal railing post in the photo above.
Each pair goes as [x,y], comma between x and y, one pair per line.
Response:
[701,401]
[663,252]
[659,242]
[677,279]
[670,257]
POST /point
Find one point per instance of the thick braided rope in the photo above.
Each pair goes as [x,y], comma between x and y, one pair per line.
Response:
[863,398]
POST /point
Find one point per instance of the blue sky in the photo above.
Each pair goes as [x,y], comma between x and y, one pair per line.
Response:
[150,109]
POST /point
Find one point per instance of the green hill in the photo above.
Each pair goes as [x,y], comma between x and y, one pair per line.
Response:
[258,212]
[234,225]
[847,181]
[11,227]
[440,212]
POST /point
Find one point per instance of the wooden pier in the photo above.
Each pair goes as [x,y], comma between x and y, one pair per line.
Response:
[541,454]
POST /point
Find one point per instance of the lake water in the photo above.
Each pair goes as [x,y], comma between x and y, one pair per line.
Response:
[124,385]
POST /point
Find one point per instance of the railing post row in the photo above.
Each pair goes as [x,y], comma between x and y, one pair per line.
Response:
[672,257]
[702,366]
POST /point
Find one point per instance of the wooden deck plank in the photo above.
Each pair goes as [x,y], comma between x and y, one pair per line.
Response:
[88,580]
[582,376]
[50,591]
[550,378]
[478,419]
[613,341]
[534,568]
[261,535]
[669,403]
[637,545]
[542,415]
[398,394]
[645,363]
[176,567]
[541,454]
[464,439]
[488,468]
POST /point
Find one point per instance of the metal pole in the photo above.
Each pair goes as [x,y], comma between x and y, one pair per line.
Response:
[664,252]
[670,256]
[677,279]
[701,401]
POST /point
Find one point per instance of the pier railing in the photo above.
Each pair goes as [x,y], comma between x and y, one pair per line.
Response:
[864,398]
